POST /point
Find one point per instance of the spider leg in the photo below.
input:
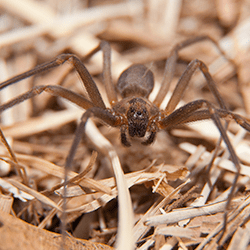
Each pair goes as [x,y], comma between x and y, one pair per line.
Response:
[109,86]
[107,78]
[184,81]
[100,113]
[179,115]
[54,90]
[88,81]
[182,85]
[205,114]
[171,63]
[214,114]
[103,114]
[124,139]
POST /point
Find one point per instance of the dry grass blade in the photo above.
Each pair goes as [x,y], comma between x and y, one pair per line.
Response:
[141,228]
[179,232]
[238,217]
[23,196]
[188,213]
[136,178]
[63,26]
[43,123]
[35,194]
[57,171]
[125,238]
[223,163]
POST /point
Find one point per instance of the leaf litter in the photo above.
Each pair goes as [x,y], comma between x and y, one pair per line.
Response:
[172,202]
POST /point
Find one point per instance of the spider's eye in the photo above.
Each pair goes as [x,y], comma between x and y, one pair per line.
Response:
[132,110]
[138,114]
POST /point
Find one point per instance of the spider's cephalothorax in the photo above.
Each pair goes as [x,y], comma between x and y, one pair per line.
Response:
[138,116]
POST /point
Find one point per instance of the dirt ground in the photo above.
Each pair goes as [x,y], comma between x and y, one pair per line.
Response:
[182,187]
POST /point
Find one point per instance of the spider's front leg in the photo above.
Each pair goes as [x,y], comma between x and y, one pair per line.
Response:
[191,108]
[103,114]
[201,115]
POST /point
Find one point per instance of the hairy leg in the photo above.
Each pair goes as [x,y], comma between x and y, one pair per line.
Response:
[171,63]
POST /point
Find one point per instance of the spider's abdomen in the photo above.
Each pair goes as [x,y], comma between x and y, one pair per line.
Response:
[136,80]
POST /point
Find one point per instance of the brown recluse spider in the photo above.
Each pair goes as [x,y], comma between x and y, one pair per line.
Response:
[134,114]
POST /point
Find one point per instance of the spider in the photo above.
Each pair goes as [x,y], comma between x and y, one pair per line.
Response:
[134,114]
